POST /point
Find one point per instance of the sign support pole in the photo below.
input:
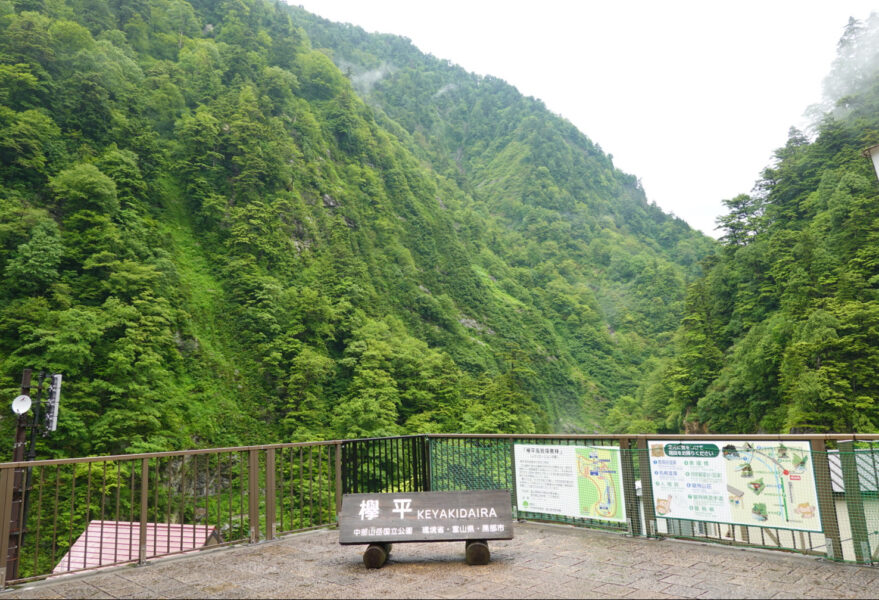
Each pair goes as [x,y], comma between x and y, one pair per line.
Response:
[627,465]
[827,506]
[646,488]
[854,502]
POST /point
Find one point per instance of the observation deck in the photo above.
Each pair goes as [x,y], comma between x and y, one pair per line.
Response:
[600,515]
[543,561]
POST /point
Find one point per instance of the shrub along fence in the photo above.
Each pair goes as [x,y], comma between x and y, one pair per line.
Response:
[813,494]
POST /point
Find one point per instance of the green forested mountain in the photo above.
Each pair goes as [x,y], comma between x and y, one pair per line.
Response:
[782,331]
[545,208]
[220,236]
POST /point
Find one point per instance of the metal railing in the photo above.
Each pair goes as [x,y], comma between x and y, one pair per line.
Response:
[87,513]
[392,464]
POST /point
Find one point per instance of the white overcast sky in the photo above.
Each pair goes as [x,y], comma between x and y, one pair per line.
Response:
[691,97]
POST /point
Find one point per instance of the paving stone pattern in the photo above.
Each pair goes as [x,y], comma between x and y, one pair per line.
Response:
[543,561]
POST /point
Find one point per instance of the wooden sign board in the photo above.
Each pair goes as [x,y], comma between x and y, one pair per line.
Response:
[426,516]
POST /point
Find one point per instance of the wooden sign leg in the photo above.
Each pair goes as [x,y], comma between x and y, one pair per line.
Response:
[476,552]
[376,555]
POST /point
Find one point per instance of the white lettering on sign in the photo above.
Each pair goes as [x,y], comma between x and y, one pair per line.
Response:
[402,506]
[456,513]
[369,510]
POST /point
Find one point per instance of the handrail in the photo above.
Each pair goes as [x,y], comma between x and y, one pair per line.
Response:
[665,436]
[514,436]
[171,453]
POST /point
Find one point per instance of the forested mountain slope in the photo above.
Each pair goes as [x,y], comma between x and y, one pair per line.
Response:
[782,332]
[212,236]
[548,214]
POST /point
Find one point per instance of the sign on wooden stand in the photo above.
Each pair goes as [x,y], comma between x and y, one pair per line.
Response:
[474,517]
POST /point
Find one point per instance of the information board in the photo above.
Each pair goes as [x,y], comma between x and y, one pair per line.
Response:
[770,484]
[583,482]
[426,516]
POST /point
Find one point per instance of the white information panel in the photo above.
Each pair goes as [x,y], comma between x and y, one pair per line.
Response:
[583,482]
[770,484]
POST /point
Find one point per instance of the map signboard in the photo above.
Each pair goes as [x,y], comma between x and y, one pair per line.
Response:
[583,482]
[770,484]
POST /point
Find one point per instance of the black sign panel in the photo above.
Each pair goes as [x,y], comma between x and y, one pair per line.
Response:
[426,516]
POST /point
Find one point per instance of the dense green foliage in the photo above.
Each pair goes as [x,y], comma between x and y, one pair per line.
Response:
[782,332]
[551,224]
[216,240]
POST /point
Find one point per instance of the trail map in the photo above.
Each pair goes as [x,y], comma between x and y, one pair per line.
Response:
[771,484]
[599,483]
[583,482]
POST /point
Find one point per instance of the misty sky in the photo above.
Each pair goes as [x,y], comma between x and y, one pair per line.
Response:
[691,97]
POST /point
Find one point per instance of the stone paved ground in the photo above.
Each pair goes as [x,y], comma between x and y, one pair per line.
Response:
[544,561]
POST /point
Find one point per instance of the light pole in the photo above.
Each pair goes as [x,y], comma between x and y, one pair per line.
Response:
[22,477]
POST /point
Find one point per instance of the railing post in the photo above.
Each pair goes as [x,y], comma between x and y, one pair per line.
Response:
[144,509]
[270,493]
[351,467]
[627,465]
[646,488]
[426,462]
[6,488]
[338,480]
[826,503]
[854,502]
[253,494]
[514,491]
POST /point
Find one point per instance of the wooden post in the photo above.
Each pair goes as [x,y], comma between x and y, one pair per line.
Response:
[376,555]
[476,552]
[339,491]
[854,502]
[144,509]
[646,488]
[253,494]
[826,504]
[270,493]
[6,490]
[627,465]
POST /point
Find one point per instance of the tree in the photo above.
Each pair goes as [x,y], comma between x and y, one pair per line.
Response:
[742,221]
[84,186]
[34,265]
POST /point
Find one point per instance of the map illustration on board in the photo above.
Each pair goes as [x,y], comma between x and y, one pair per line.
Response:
[771,484]
[599,483]
[765,483]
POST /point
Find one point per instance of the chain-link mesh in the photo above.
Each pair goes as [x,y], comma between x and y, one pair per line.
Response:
[460,463]
[854,474]
[470,464]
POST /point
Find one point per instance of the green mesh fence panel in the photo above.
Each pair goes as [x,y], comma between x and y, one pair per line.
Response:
[854,472]
[465,463]
[470,464]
